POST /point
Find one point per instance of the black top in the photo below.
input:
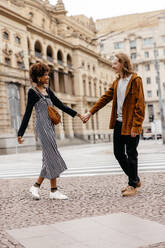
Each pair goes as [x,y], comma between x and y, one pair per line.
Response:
[33,97]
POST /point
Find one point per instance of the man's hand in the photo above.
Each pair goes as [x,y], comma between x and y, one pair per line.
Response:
[20,140]
[80,116]
[133,134]
[86,117]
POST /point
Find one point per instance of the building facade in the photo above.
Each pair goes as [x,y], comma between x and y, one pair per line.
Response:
[35,30]
[142,37]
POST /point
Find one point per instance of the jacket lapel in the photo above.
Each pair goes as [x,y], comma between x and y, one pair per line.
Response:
[115,91]
[129,84]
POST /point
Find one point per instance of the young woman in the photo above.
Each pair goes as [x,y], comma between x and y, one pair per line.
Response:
[128,110]
[40,97]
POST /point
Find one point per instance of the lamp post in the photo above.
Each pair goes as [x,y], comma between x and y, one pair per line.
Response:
[159,92]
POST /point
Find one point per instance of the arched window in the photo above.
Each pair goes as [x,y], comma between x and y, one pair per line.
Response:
[6,35]
[69,61]
[84,87]
[49,54]
[29,46]
[14,105]
[60,57]
[31,15]
[18,40]
[51,78]
[90,89]
[38,49]
[95,89]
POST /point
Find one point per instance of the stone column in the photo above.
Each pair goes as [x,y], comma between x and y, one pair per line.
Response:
[22,101]
[73,86]
[60,128]
[79,128]
[66,86]
[68,125]
[56,81]
[5,120]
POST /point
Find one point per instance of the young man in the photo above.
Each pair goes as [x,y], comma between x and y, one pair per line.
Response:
[127,115]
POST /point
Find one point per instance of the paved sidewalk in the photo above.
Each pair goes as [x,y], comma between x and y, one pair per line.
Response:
[95,212]
[89,197]
[115,230]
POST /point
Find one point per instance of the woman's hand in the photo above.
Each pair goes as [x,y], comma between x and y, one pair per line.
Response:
[20,140]
[80,116]
[86,117]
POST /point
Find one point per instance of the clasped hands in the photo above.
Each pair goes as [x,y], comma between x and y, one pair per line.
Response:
[85,117]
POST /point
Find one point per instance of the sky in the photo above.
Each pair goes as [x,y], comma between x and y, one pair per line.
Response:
[99,9]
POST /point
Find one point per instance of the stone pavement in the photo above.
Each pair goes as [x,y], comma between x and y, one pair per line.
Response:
[88,197]
[93,202]
[114,230]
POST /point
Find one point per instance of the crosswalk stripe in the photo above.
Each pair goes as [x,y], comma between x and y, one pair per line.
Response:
[83,171]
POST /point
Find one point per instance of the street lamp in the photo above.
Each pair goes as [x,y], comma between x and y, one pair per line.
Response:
[159,92]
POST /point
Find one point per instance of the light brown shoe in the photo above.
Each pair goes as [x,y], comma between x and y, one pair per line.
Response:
[130,191]
[124,189]
[139,184]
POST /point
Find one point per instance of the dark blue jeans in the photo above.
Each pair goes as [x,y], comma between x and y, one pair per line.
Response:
[125,151]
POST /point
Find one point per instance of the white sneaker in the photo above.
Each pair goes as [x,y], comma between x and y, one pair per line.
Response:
[34,190]
[58,195]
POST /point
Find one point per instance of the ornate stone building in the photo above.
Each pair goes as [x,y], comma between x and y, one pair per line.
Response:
[35,30]
[142,36]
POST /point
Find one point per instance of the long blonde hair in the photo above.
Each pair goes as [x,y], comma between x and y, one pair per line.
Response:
[126,64]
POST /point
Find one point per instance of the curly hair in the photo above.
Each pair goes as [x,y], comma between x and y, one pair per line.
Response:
[38,70]
[126,64]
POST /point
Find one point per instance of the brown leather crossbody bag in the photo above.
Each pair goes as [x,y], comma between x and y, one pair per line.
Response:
[53,114]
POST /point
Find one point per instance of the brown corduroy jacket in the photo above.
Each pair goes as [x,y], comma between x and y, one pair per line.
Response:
[133,107]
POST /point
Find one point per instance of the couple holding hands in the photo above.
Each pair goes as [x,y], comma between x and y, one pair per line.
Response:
[128,109]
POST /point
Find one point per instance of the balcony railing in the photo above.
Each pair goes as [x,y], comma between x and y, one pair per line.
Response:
[69,66]
[50,59]
[60,62]
[38,54]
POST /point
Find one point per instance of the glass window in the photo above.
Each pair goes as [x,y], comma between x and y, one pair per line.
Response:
[14,105]
[148,79]
[118,45]
[146,54]
[132,44]
[135,67]
[31,14]
[20,65]
[100,90]
[7,61]
[90,89]
[133,55]
[149,93]
[148,41]
[5,35]
[150,112]
[18,40]
[147,67]
[84,87]
[95,89]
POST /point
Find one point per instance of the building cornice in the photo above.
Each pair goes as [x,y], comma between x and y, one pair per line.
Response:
[45,34]
[13,15]
[93,54]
